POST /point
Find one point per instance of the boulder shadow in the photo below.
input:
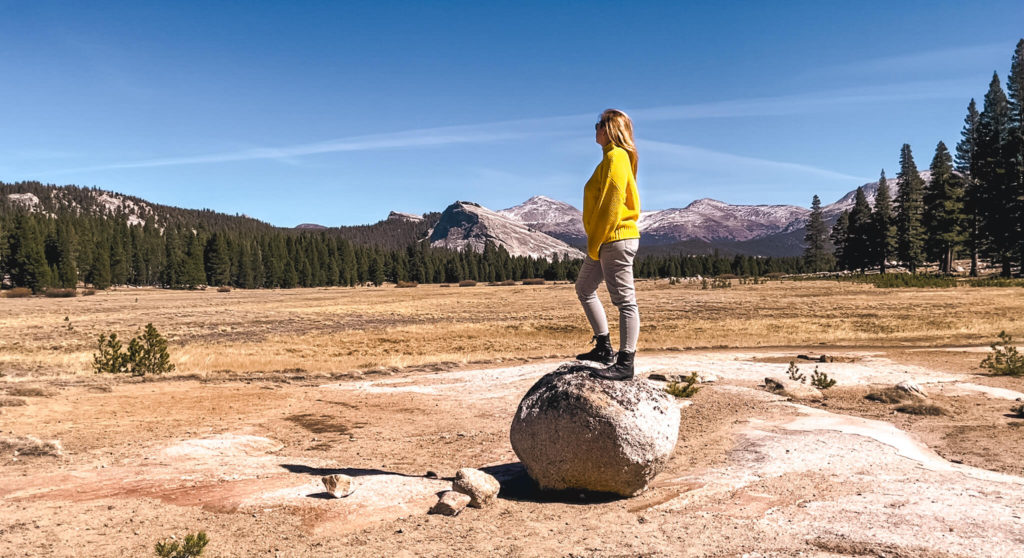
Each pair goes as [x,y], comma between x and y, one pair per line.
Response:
[517,486]
[350,471]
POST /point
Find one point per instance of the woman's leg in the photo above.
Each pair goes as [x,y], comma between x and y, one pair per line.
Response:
[617,266]
[587,281]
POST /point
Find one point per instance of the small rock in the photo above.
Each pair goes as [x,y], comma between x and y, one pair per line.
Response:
[911,388]
[339,486]
[795,390]
[451,503]
[478,485]
[431,475]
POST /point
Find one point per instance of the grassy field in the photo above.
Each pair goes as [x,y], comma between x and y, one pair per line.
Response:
[336,330]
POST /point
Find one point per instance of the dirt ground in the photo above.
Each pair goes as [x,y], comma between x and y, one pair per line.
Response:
[238,451]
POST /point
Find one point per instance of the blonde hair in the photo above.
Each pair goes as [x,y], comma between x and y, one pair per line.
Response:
[619,130]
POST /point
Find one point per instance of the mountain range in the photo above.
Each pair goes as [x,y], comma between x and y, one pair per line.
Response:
[540,226]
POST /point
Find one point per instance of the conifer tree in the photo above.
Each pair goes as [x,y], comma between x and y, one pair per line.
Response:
[909,208]
[1015,147]
[217,262]
[996,199]
[816,239]
[27,259]
[99,272]
[943,216]
[966,165]
[67,270]
[883,228]
[839,239]
[859,253]
[195,274]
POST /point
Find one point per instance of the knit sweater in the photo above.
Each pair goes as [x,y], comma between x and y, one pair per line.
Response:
[611,204]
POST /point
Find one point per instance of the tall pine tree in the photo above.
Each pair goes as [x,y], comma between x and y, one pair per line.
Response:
[859,252]
[883,225]
[996,199]
[909,208]
[1015,145]
[966,165]
[943,217]
[816,256]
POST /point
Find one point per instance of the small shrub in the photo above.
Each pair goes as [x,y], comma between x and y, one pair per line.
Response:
[507,283]
[821,380]
[1018,411]
[18,292]
[147,354]
[1004,360]
[686,388]
[888,395]
[90,292]
[59,293]
[109,359]
[223,289]
[11,402]
[534,281]
[467,283]
[722,282]
[794,373]
[926,409]
[406,284]
[30,445]
[190,547]
[774,276]
[705,284]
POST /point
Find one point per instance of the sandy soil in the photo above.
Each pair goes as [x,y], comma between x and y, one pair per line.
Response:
[754,474]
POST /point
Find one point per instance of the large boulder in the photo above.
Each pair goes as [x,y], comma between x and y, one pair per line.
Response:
[572,431]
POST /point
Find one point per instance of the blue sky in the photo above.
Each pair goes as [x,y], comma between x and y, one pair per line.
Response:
[338,112]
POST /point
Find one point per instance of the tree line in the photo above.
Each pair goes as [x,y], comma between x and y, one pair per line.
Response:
[39,252]
[971,205]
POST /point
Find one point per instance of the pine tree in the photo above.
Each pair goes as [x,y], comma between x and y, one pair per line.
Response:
[883,228]
[194,272]
[816,239]
[996,199]
[27,258]
[943,217]
[966,165]
[217,262]
[859,253]
[67,270]
[839,239]
[1015,144]
[909,208]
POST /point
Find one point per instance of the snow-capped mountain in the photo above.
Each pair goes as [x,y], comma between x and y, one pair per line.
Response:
[467,225]
[711,220]
[845,203]
[549,216]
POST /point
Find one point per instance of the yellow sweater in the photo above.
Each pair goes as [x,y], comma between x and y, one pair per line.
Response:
[611,204]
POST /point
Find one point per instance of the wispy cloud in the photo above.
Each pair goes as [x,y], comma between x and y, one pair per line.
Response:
[689,155]
[557,125]
[970,58]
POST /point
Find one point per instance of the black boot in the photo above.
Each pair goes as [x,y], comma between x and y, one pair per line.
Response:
[621,370]
[602,351]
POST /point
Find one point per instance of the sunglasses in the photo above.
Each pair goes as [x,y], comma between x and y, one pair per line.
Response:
[598,125]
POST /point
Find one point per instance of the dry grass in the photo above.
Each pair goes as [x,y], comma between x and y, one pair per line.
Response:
[11,402]
[30,445]
[926,409]
[327,330]
[28,391]
[888,395]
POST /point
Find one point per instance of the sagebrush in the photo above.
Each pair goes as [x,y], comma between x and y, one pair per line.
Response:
[190,547]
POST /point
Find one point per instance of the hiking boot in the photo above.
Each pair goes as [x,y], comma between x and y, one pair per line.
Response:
[602,351]
[621,370]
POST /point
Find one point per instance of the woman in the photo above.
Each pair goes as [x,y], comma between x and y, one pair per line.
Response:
[611,207]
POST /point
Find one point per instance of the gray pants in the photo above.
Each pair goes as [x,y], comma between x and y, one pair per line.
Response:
[615,268]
